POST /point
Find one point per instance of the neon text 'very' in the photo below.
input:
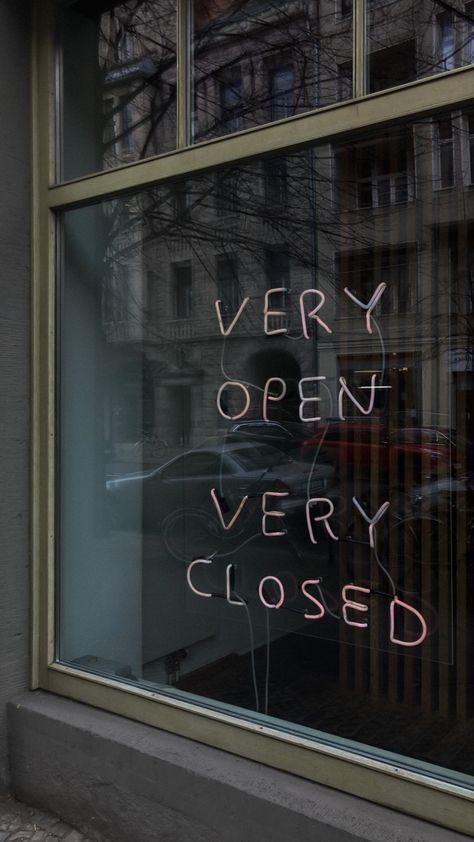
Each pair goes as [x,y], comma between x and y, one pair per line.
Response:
[307,314]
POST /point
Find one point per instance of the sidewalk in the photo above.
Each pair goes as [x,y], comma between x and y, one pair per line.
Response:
[20,823]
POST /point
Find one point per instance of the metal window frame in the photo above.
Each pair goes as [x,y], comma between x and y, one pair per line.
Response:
[368,777]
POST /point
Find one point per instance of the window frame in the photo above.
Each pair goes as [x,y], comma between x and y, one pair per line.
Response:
[324,759]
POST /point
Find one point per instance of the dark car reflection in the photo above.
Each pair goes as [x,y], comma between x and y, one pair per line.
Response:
[234,469]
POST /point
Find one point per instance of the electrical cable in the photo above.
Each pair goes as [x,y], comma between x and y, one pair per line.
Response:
[252,651]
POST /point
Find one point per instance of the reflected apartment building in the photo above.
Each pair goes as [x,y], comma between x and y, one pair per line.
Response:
[346,215]
[391,208]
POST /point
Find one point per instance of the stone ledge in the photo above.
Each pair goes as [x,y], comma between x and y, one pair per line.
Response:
[122,781]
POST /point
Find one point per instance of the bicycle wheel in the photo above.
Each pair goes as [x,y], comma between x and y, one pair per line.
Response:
[191,533]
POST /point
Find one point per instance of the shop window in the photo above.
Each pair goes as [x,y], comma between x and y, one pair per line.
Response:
[381,383]
[316,581]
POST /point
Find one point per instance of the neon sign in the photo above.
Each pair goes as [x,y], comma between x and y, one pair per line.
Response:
[354,598]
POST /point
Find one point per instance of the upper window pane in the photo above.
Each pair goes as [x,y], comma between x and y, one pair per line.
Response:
[409,39]
[264,60]
[118,83]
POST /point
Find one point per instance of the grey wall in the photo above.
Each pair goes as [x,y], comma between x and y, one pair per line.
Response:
[121,781]
[14,354]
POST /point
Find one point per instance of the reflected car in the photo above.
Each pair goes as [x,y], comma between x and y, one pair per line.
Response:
[367,443]
[287,437]
[236,469]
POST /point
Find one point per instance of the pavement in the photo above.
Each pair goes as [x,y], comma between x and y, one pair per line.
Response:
[20,823]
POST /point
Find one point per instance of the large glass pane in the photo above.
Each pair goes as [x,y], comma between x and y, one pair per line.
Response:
[410,39]
[266,494]
[264,60]
[118,83]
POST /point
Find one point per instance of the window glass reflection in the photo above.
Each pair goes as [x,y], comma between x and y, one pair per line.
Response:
[118,83]
[266,448]
[265,60]
[409,40]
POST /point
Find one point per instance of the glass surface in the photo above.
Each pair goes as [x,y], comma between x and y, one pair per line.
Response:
[411,39]
[266,493]
[264,60]
[118,83]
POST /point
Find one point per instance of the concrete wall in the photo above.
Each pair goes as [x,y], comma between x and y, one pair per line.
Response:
[14,353]
[121,781]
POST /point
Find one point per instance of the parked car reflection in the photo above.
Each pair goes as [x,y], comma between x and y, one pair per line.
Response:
[428,449]
[288,437]
[234,469]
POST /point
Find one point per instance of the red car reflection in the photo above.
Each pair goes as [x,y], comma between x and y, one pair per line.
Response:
[366,443]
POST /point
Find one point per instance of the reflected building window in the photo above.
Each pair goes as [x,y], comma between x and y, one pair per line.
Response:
[392,66]
[120,118]
[228,285]
[345,8]
[444,161]
[183,291]
[231,103]
[111,129]
[116,294]
[276,182]
[129,116]
[384,175]
[227,189]
[469,11]
[361,271]
[179,402]
[446,35]
[277,274]
[470,138]
[344,81]
[282,92]
[126,48]
[461,269]
[470,278]
[181,200]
